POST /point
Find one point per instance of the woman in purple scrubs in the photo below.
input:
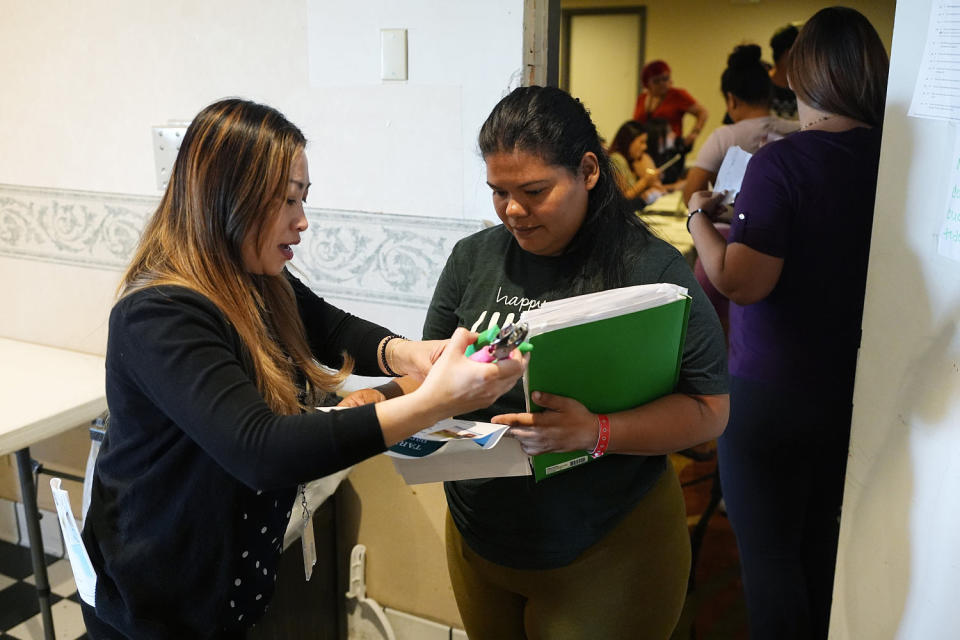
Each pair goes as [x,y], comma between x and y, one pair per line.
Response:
[794,268]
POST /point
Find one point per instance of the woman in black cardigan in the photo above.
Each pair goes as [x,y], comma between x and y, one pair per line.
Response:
[212,374]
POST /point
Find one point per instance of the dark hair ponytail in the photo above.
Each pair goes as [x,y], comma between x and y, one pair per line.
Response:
[550,123]
[782,40]
[745,76]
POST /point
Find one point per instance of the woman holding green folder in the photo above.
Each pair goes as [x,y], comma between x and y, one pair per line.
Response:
[555,559]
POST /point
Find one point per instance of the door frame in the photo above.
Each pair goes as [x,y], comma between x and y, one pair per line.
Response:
[566,16]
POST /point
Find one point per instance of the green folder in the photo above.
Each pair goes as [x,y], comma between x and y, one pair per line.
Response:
[619,360]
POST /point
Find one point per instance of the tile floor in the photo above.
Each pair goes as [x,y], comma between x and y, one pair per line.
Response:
[19,609]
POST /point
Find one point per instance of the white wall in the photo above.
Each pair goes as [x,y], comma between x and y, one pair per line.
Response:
[413,147]
[600,71]
[396,174]
[898,570]
[84,82]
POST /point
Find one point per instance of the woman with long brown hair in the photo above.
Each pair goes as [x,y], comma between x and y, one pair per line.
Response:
[212,374]
[794,268]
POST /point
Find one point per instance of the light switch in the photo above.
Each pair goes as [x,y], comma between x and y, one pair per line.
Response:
[166,144]
[393,54]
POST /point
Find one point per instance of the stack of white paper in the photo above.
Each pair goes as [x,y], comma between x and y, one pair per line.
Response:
[569,312]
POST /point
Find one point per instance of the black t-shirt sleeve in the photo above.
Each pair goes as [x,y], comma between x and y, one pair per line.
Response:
[178,350]
[441,320]
[331,331]
[764,207]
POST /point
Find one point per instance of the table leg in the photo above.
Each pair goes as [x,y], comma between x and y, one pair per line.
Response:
[32,516]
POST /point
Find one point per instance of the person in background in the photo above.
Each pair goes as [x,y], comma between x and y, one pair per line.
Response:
[637,175]
[554,559]
[783,103]
[211,378]
[661,100]
[794,268]
[746,88]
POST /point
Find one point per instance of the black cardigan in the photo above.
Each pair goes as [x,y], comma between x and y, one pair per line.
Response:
[196,477]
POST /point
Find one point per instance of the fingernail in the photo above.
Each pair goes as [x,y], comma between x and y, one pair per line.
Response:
[536,395]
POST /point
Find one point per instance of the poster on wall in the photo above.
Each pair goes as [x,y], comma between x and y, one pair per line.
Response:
[937,92]
[948,240]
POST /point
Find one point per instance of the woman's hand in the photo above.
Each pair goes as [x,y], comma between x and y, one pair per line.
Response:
[565,425]
[709,201]
[362,397]
[463,385]
[454,385]
[414,358]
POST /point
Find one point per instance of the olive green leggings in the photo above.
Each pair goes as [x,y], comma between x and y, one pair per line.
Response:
[631,584]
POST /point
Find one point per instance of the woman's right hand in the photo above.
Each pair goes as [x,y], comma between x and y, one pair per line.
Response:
[454,385]
[709,201]
[460,385]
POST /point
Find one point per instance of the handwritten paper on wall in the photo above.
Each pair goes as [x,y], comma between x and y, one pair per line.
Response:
[937,92]
[948,241]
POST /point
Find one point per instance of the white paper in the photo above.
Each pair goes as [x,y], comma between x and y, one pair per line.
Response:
[459,450]
[668,203]
[316,492]
[569,312]
[948,240]
[937,92]
[505,459]
[732,170]
[83,573]
[309,546]
[449,436]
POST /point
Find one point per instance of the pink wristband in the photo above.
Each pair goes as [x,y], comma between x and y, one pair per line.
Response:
[603,439]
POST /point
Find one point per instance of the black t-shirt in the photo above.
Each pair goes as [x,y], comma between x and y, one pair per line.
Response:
[514,521]
[196,477]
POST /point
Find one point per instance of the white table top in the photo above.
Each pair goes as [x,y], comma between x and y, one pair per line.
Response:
[45,391]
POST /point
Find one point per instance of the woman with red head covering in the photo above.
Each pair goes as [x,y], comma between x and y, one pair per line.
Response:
[661,100]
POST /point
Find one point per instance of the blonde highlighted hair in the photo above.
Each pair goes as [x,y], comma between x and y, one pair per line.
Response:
[228,182]
[838,65]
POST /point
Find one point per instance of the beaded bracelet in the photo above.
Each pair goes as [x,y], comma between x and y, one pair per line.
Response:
[603,438]
[383,356]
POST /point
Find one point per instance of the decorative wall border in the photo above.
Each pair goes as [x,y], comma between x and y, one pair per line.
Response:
[387,258]
[375,257]
[83,228]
